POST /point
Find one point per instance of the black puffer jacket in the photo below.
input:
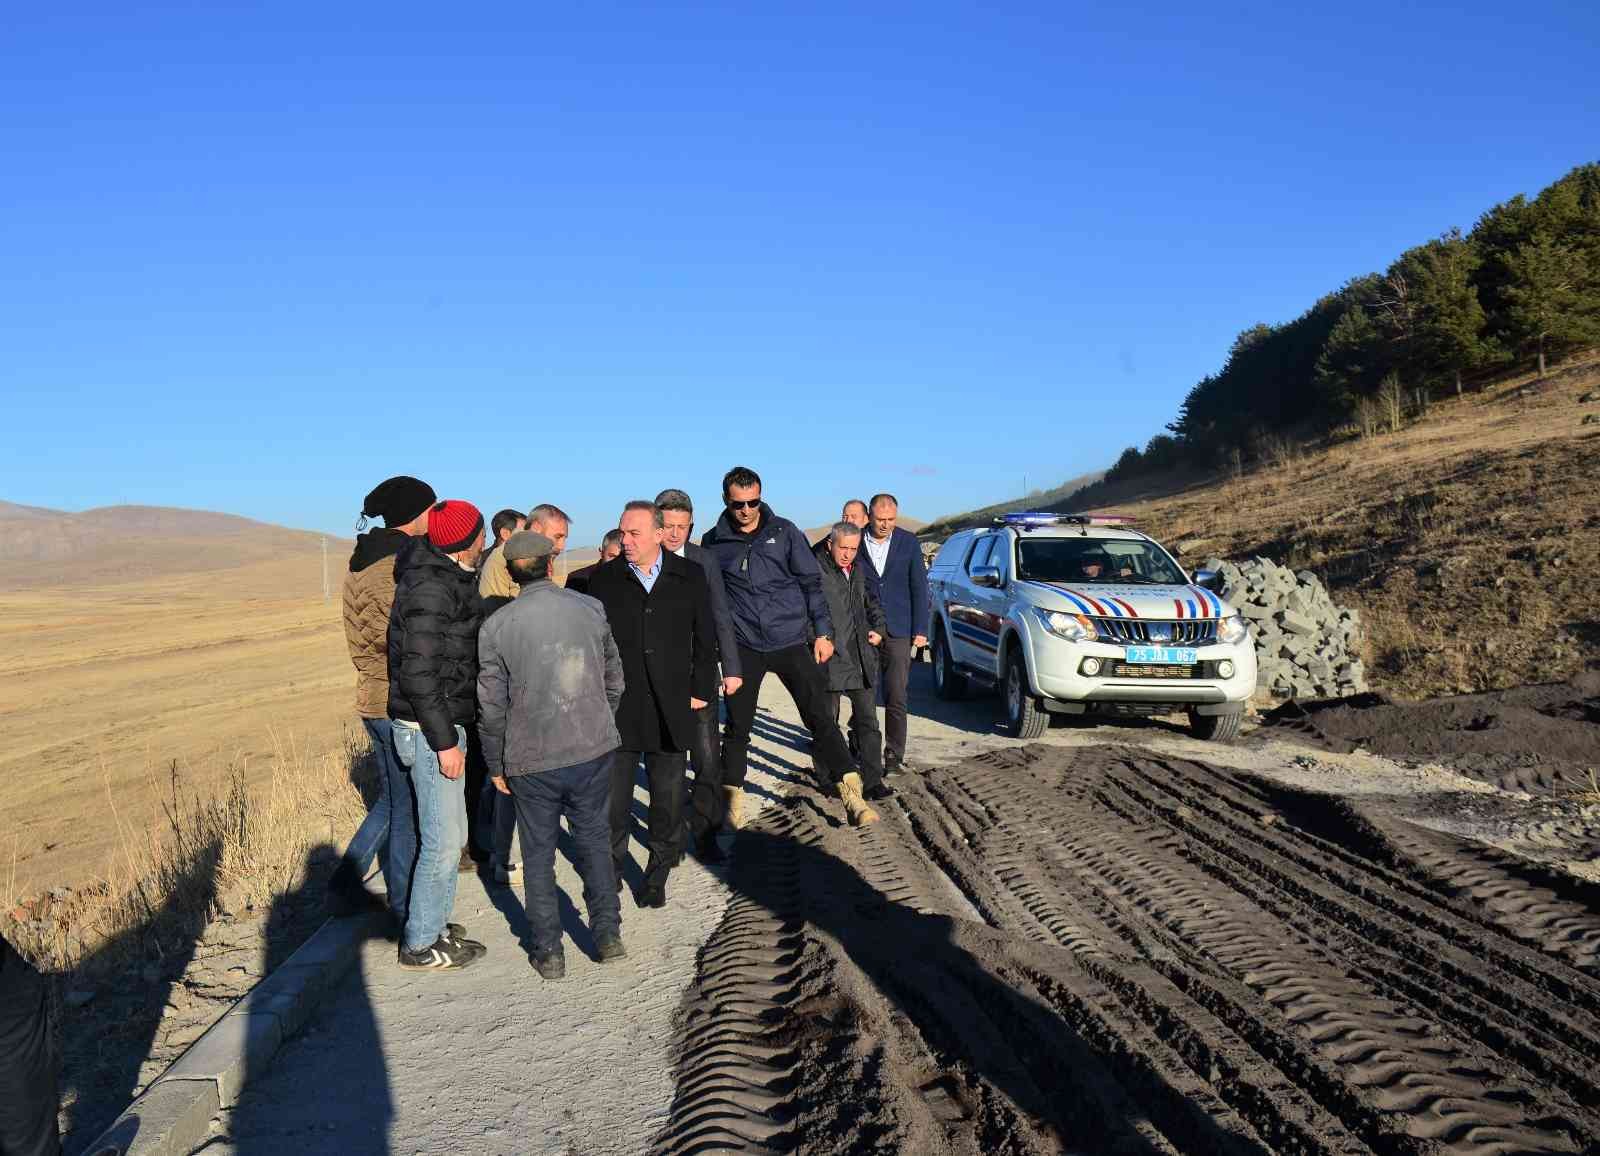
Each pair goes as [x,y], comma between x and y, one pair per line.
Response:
[433,643]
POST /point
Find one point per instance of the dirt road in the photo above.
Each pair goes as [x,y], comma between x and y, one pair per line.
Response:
[1115,940]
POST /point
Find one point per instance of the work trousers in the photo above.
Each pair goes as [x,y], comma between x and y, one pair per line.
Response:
[664,771]
[797,669]
[708,808]
[866,740]
[894,667]
[579,792]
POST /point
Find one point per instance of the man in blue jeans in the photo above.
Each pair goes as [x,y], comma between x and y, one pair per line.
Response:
[388,833]
[549,681]
[433,678]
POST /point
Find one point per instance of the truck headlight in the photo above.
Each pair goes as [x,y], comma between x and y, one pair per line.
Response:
[1232,629]
[1072,627]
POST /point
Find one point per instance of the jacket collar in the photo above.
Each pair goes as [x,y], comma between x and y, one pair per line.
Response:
[727,528]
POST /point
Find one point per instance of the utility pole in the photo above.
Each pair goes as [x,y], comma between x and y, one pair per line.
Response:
[325,596]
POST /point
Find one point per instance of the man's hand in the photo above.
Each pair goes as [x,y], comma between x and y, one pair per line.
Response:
[696,703]
[822,648]
[919,642]
[499,782]
[453,762]
[731,685]
[874,638]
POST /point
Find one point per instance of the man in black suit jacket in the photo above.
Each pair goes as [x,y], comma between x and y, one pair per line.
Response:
[659,608]
[708,807]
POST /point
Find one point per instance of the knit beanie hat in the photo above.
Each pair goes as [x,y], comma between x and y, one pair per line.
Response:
[453,525]
[398,500]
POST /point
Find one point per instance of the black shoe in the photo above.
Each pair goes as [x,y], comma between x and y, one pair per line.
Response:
[893,767]
[550,964]
[444,955]
[878,792]
[617,871]
[652,895]
[608,947]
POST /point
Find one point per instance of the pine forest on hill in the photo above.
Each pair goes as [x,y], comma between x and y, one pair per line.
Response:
[1522,288]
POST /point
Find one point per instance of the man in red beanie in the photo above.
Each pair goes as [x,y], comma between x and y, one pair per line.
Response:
[433,678]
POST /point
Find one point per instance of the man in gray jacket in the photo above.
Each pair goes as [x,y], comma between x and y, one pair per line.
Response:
[549,681]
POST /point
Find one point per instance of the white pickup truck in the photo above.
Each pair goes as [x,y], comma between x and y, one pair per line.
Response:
[1082,614]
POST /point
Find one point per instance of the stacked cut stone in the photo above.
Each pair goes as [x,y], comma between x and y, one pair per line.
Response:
[1306,647]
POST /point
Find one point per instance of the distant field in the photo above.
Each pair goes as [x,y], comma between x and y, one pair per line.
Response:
[103,686]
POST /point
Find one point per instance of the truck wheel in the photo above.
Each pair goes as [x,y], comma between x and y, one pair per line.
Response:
[1024,719]
[948,683]
[1215,727]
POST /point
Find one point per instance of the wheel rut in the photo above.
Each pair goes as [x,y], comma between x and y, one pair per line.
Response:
[1046,949]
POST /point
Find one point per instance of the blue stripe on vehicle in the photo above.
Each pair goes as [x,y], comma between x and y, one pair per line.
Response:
[1194,611]
[975,636]
[1074,599]
[1216,603]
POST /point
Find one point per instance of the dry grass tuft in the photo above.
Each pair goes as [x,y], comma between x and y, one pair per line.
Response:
[239,845]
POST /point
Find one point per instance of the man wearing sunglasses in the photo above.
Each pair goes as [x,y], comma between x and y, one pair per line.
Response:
[775,597]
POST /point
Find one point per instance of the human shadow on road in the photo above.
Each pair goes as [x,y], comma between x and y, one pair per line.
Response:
[975,996]
[325,1092]
[134,976]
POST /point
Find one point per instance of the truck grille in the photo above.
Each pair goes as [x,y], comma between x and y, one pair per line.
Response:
[1186,632]
[1128,670]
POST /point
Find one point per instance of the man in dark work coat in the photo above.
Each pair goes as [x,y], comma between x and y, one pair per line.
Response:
[659,608]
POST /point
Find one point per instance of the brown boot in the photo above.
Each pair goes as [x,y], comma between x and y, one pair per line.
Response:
[735,798]
[858,809]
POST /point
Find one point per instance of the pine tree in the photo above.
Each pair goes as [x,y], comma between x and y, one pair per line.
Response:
[1552,296]
[1450,333]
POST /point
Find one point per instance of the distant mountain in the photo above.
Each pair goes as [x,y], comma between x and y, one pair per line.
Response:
[942,528]
[110,544]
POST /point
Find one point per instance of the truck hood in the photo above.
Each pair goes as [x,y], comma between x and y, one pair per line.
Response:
[1114,600]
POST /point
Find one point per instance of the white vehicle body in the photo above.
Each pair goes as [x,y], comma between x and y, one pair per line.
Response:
[1006,612]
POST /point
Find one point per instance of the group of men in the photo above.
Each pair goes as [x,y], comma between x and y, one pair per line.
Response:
[491,688]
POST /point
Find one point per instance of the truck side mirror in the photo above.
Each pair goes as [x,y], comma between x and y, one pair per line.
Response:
[1205,578]
[986,576]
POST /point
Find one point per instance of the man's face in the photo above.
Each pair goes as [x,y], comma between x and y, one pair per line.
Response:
[744,503]
[675,527]
[609,550]
[883,516]
[555,531]
[472,553]
[1092,567]
[844,550]
[856,514]
[641,540]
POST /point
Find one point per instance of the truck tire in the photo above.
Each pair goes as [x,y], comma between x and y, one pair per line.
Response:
[1215,727]
[948,683]
[1024,719]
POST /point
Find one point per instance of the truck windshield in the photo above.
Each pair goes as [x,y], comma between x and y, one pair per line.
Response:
[1089,560]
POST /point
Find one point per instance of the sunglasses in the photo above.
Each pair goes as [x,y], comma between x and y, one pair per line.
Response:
[750,504]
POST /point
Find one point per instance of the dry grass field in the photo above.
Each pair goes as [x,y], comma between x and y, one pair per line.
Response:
[104,686]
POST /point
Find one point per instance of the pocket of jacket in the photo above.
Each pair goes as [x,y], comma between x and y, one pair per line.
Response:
[405,745]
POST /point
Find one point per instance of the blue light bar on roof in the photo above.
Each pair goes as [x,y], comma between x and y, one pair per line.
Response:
[1046,518]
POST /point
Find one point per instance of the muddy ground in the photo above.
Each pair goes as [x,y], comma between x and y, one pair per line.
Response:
[1112,947]
[1539,739]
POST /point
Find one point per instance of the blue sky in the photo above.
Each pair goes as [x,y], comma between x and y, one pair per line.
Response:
[256,259]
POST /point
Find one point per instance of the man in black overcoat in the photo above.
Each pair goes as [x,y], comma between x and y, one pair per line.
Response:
[659,608]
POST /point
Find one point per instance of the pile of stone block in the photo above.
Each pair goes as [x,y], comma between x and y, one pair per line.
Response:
[1306,647]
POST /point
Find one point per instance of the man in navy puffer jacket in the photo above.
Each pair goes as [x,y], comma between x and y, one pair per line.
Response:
[777,604]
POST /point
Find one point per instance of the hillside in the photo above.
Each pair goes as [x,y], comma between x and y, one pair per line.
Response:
[1038,500]
[1470,539]
[41,547]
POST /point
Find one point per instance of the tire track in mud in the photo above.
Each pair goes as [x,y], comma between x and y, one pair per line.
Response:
[1100,950]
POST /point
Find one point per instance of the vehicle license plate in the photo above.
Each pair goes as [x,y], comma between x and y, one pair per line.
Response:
[1163,655]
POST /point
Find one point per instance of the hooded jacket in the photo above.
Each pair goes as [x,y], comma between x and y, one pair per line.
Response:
[433,643]
[368,597]
[772,582]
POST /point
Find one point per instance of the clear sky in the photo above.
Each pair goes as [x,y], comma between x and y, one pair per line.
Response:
[256,258]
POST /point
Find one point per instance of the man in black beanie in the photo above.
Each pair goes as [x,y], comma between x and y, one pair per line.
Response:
[388,832]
